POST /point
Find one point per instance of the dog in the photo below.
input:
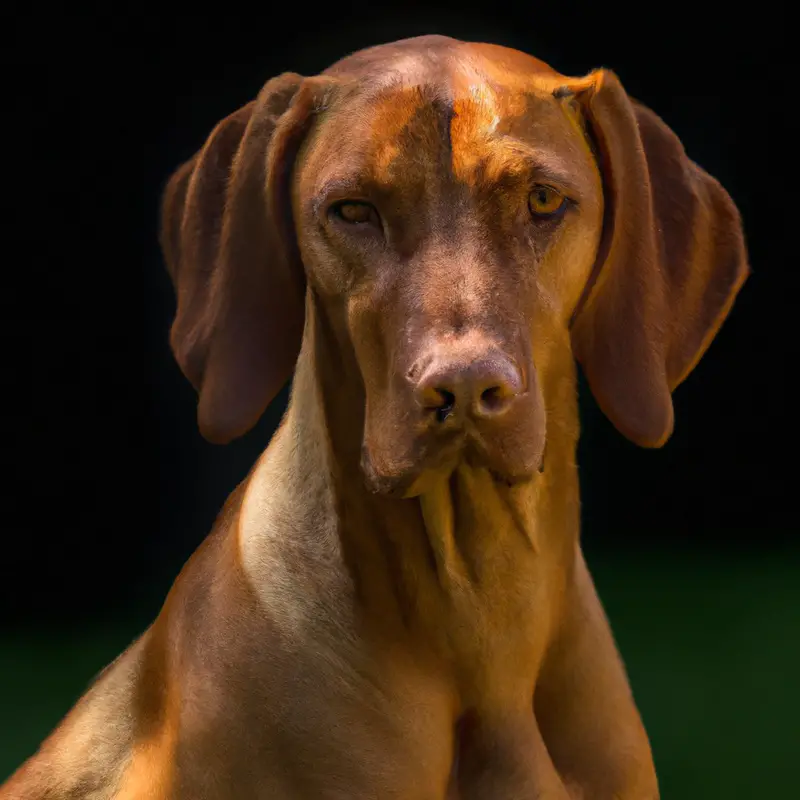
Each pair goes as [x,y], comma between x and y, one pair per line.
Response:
[429,236]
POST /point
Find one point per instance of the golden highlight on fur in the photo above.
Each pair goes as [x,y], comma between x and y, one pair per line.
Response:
[394,603]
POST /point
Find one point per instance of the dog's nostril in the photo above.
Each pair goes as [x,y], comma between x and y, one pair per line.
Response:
[495,400]
[444,407]
[492,399]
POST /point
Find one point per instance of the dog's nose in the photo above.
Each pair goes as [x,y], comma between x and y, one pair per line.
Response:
[482,388]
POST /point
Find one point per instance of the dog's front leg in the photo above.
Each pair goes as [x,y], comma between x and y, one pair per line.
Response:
[584,705]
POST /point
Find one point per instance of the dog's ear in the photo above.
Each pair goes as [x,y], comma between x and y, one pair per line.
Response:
[229,245]
[671,261]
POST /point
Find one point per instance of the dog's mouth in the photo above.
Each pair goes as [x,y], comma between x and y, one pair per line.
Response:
[432,464]
[408,477]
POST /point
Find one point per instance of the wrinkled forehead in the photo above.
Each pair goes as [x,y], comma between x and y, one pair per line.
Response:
[469,123]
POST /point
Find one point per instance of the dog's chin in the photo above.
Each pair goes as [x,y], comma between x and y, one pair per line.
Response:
[412,480]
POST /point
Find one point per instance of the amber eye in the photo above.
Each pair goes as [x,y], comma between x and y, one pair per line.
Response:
[546,202]
[356,213]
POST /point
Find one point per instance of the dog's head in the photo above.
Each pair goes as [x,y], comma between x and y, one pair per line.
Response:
[469,219]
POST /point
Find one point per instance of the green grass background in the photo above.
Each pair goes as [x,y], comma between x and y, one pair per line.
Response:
[712,646]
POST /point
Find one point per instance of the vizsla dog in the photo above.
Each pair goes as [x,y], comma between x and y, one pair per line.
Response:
[394,603]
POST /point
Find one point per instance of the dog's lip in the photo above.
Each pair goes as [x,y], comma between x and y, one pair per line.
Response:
[478,455]
[440,461]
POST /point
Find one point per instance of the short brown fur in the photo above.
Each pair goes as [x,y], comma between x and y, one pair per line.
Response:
[394,603]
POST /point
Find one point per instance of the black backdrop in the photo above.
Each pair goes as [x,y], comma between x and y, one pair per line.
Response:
[107,485]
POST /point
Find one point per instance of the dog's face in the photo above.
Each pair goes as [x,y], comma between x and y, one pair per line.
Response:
[469,221]
[451,221]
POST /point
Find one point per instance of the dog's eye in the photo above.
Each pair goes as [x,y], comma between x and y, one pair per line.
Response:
[356,213]
[544,201]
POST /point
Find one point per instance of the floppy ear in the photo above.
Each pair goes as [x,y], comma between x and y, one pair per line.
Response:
[229,245]
[670,264]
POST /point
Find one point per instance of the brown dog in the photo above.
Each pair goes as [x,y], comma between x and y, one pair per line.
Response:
[394,603]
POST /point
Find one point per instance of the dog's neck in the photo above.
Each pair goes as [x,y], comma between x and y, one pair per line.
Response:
[466,533]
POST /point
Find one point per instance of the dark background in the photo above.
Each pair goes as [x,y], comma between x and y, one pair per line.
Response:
[108,486]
